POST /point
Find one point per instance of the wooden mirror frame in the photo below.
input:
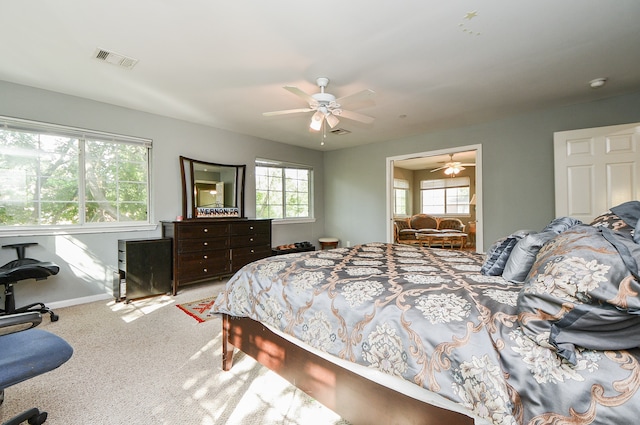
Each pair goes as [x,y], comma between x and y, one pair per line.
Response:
[189,207]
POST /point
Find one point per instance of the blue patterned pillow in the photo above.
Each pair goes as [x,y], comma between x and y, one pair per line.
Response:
[581,293]
[613,222]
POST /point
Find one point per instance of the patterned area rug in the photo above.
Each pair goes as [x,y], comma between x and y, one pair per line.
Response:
[199,310]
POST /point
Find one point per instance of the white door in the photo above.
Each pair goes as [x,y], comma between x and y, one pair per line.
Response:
[596,169]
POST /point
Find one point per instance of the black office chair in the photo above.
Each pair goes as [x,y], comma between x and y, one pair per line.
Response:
[26,353]
[21,269]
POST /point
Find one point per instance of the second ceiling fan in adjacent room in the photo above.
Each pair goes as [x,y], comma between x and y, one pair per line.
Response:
[452,167]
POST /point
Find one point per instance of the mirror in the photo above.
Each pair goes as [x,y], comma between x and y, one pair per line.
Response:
[211,190]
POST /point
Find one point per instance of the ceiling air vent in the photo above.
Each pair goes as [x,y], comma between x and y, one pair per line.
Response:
[115,59]
[340,131]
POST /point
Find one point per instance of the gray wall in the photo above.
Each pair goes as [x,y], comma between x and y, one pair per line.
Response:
[518,181]
[88,260]
[350,194]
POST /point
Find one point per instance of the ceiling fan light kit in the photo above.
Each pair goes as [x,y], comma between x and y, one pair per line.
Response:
[597,83]
[452,168]
[316,121]
[325,106]
[332,120]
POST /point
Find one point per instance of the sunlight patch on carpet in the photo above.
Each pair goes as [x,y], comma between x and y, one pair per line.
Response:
[199,310]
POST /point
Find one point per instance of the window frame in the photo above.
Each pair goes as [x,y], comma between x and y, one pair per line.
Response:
[283,166]
[404,186]
[84,136]
[444,184]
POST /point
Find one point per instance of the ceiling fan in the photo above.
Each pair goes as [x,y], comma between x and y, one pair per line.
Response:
[452,167]
[326,106]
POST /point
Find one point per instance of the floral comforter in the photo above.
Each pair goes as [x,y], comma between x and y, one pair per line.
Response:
[430,317]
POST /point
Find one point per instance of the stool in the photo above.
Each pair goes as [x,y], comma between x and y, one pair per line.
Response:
[328,243]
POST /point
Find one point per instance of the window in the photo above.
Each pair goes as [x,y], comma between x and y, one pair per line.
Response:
[283,191]
[400,197]
[445,196]
[62,176]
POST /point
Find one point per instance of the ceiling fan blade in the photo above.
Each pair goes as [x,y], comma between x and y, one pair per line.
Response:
[438,169]
[287,111]
[306,97]
[356,97]
[355,116]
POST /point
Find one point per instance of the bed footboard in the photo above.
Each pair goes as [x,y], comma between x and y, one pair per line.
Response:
[357,399]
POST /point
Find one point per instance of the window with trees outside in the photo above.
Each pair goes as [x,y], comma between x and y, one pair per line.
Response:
[445,196]
[53,176]
[400,197]
[283,191]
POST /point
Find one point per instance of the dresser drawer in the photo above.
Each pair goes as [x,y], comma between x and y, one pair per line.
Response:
[243,256]
[200,266]
[250,240]
[251,227]
[200,230]
[203,244]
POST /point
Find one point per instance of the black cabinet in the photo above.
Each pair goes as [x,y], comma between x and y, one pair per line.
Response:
[144,268]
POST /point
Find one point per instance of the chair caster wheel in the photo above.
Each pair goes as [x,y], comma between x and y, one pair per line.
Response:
[39,419]
[54,317]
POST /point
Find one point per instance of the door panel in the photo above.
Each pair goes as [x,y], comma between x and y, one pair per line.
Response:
[596,169]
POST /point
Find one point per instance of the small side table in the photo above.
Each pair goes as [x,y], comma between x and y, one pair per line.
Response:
[328,243]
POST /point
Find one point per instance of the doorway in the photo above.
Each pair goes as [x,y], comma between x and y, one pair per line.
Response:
[429,161]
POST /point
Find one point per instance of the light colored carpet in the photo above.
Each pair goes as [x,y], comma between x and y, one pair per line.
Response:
[147,362]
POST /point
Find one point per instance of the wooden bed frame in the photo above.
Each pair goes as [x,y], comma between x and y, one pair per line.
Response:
[356,399]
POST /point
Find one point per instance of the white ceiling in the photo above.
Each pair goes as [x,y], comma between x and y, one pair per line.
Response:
[433,64]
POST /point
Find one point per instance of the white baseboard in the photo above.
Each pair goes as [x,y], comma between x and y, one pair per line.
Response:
[77,301]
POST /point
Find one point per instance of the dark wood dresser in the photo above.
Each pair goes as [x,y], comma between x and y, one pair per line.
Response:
[209,248]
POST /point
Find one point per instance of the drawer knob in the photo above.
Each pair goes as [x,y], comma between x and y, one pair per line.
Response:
[252,251]
[206,230]
[250,227]
[205,257]
[205,243]
[251,239]
[205,270]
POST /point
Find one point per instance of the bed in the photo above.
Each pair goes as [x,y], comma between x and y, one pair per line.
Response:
[389,333]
